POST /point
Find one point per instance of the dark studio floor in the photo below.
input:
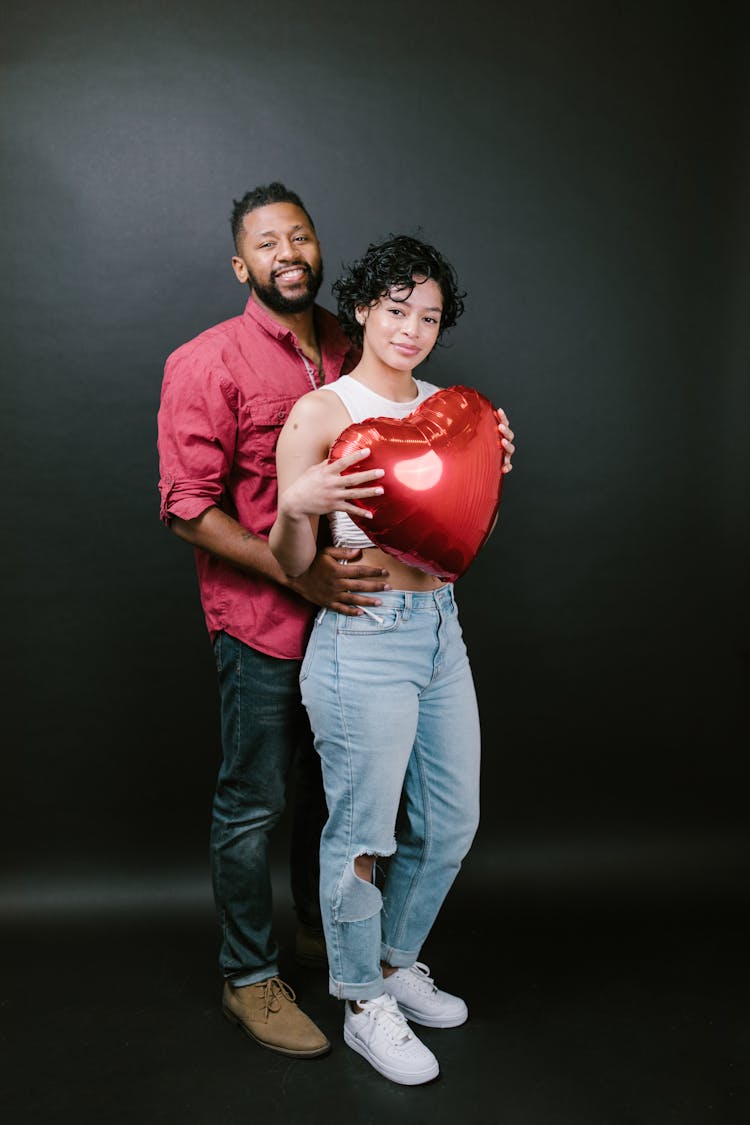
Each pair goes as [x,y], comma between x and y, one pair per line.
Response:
[627,1014]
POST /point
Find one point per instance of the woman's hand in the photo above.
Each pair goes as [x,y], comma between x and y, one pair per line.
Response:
[506,440]
[323,488]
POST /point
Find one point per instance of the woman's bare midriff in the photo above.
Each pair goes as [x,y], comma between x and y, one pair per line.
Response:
[400,576]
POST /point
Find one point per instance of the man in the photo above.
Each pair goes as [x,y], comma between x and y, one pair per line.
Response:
[224,399]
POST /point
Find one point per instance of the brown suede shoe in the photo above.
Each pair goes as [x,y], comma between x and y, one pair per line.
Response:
[268,1013]
[310,947]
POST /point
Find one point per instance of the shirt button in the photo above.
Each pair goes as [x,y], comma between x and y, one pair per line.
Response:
[282,416]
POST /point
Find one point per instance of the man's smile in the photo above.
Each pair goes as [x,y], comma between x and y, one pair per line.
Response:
[291,273]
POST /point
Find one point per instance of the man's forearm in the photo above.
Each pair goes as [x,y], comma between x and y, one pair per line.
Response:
[216,532]
[325,583]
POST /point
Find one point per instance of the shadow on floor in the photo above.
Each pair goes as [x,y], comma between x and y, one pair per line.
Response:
[581,1014]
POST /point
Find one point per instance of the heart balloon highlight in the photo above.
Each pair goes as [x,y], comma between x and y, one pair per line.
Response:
[442,480]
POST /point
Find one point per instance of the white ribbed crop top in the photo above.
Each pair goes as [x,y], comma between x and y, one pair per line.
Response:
[363,403]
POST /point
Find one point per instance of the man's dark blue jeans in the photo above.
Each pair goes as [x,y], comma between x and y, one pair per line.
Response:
[264,731]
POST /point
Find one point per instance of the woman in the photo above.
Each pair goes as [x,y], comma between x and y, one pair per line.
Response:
[389,694]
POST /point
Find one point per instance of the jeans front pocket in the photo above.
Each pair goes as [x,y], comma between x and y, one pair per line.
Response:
[373,622]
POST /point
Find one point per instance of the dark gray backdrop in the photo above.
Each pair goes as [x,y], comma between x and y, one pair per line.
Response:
[585,168]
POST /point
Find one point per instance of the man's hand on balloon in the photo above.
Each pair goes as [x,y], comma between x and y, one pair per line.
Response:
[506,440]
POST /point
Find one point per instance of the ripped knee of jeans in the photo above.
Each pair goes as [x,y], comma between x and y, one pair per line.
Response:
[357,899]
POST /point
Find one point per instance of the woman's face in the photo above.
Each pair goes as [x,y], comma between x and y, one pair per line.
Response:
[402,328]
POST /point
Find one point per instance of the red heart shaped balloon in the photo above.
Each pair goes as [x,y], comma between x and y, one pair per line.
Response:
[442,479]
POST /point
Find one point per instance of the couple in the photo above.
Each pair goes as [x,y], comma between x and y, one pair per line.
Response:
[385,678]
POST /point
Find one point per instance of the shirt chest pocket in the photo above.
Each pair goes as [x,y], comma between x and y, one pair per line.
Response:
[262,419]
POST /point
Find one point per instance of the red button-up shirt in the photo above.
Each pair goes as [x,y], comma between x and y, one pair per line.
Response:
[224,399]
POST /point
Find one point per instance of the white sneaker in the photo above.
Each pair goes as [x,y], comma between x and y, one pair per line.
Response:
[414,991]
[382,1036]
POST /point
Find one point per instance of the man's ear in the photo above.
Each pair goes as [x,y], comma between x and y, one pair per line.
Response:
[240,270]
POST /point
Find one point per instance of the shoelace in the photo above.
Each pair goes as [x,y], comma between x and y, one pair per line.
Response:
[386,1011]
[273,993]
[421,979]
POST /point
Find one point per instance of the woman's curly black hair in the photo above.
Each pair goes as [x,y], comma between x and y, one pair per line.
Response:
[400,262]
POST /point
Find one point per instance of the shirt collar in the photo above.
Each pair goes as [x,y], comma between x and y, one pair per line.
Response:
[330,336]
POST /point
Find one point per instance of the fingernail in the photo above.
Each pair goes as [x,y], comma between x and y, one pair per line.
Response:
[386,587]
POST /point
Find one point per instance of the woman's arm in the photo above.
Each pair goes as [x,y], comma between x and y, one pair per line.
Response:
[308,486]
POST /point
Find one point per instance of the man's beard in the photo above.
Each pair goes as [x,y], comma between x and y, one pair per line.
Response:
[275,300]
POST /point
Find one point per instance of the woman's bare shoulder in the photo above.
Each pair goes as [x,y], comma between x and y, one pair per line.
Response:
[320,408]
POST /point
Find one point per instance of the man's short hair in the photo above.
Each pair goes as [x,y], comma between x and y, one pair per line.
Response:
[261,197]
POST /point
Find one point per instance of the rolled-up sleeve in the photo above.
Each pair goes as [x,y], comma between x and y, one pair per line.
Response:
[197,434]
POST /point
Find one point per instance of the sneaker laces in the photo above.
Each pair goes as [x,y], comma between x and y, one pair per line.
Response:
[387,1014]
[419,978]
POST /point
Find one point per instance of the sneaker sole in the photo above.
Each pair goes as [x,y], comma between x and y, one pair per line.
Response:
[313,1054]
[416,1078]
[432,1021]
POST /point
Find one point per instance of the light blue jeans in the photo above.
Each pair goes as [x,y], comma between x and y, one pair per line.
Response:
[393,710]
